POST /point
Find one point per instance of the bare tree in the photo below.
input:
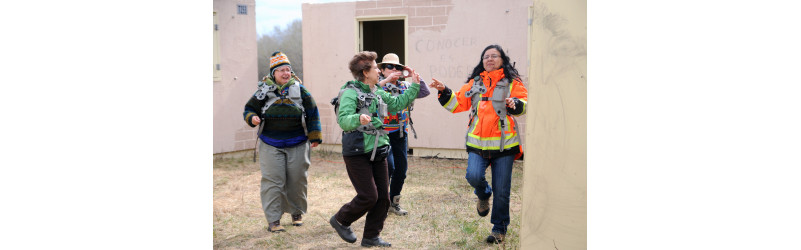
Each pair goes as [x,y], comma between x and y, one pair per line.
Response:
[289,41]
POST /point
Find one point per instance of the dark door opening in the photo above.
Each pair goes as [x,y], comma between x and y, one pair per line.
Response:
[387,36]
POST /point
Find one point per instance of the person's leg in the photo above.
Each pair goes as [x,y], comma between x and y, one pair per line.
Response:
[360,172]
[476,172]
[296,176]
[374,221]
[399,155]
[501,186]
[273,176]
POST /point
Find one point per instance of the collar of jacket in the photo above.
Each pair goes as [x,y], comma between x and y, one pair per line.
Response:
[363,86]
[495,75]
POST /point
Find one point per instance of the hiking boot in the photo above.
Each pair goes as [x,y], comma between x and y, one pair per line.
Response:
[482,207]
[275,227]
[297,220]
[495,237]
[344,232]
[395,208]
[375,242]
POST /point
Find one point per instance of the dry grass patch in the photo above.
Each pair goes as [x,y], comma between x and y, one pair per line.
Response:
[440,202]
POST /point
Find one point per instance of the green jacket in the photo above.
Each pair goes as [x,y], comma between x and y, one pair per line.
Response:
[348,116]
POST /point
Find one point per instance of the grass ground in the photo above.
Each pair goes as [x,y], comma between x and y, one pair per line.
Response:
[440,202]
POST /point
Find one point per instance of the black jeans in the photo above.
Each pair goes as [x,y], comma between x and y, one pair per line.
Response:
[370,180]
[396,162]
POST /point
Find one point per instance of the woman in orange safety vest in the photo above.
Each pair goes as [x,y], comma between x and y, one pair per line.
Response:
[493,94]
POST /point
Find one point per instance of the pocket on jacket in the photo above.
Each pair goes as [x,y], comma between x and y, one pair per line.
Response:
[352,143]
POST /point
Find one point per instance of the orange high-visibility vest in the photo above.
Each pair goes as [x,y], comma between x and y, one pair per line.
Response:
[484,130]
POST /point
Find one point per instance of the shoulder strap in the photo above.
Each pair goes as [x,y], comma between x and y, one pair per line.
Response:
[294,96]
[498,99]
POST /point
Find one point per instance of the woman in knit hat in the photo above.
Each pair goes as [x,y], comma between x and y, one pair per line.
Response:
[289,126]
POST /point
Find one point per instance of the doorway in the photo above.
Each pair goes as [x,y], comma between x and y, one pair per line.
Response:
[384,36]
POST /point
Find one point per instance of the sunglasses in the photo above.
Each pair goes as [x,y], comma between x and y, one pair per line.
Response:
[393,66]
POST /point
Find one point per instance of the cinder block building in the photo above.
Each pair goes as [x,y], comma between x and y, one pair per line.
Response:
[547,42]
[235,73]
[438,38]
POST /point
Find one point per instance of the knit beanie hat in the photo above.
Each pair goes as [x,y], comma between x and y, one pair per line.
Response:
[278,59]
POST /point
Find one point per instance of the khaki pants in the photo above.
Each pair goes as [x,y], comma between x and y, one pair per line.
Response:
[283,179]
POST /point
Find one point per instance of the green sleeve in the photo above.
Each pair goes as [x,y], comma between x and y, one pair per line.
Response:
[347,117]
[398,103]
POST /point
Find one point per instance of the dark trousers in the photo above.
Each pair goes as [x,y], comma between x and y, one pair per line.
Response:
[370,180]
[396,162]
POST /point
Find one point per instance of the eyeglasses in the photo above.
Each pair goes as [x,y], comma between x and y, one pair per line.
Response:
[493,56]
[393,66]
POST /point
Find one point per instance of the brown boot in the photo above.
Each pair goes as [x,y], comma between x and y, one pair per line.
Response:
[482,207]
[297,220]
[275,227]
[495,237]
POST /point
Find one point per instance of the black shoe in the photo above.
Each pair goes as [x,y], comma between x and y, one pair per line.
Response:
[496,238]
[375,242]
[344,232]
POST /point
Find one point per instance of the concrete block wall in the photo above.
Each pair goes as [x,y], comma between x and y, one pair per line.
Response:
[422,14]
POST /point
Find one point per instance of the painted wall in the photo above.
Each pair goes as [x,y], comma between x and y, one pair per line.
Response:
[555,176]
[445,40]
[239,76]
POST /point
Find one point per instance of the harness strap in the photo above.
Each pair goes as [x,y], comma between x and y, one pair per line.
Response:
[363,107]
[498,101]
[499,104]
[370,129]
[475,95]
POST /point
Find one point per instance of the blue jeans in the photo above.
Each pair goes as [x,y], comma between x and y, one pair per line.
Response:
[501,185]
[396,162]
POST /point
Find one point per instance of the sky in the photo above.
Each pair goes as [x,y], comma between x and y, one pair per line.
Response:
[272,13]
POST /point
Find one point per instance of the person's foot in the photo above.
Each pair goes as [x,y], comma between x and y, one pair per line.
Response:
[275,227]
[395,208]
[297,220]
[375,242]
[344,232]
[495,237]
[482,207]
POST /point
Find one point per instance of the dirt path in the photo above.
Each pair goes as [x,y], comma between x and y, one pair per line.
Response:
[441,208]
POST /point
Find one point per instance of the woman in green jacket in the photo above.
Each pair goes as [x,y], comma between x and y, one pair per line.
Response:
[365,144]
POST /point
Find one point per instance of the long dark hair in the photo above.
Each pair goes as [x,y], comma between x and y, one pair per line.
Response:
[509,71]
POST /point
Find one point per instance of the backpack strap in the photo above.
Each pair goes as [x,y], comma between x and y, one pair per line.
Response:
[294,96]
[498,99]
[474,94]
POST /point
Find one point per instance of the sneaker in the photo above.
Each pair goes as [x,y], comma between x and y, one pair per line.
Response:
[395,208]
[297,220]
[344,232]
[482,207]
[275,227]
[496,238]
[375,242]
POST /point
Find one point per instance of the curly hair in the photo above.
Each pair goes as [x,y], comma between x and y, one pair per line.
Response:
[360,62]
[508,70]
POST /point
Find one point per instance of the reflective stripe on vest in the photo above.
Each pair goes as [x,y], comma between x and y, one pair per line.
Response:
[491,143]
